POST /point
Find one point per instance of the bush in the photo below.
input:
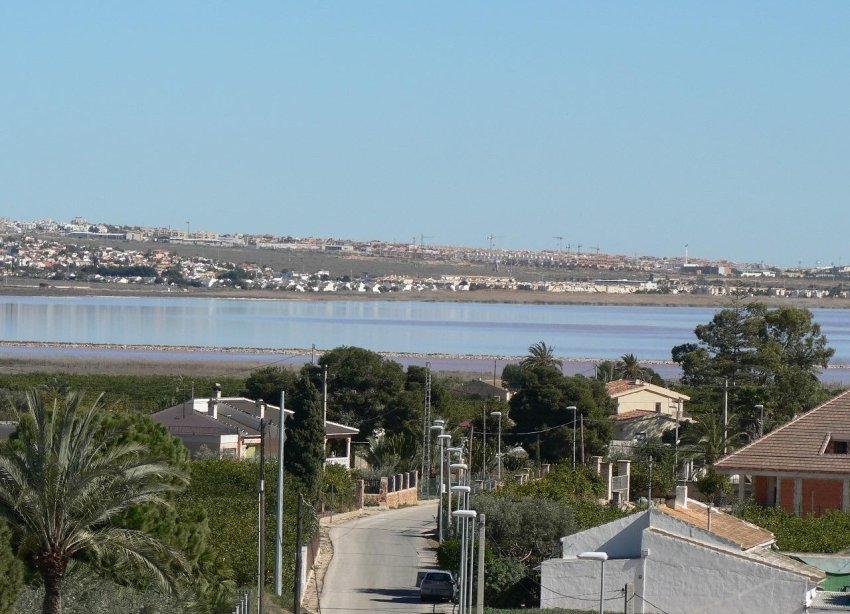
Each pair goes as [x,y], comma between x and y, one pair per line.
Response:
[527,529]
[337,488]
[829,533]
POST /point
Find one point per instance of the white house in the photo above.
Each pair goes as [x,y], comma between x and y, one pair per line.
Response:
[680,559]
[644,410]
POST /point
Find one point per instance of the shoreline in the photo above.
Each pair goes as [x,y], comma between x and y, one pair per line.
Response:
[521,297]
[164,359]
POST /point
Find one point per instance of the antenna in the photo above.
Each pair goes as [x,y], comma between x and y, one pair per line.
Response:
[490,238]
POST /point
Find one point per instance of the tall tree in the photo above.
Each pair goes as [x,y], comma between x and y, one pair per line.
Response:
[305,442]
[361,385]
[63,483]
[540,355]
[539,409]
[767,356]
[268,382]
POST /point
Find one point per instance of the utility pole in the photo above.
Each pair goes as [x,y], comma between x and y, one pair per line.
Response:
[278,537]
[325,414]
[649,494]
[261,490]
[299,536]
[574,408]
[725,413]
[581,424]
[424,477]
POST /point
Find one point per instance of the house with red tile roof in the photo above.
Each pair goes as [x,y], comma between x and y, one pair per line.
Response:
[644,410]
[803,466]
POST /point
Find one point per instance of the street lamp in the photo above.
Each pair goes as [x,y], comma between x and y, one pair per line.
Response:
[498,414]
[436,428]
[462,494]
[449,452]
[575,409]
[760,407]
[601,557]
[465,592]
[444,438]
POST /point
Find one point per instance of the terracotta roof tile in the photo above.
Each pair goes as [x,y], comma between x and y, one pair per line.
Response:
[796,447]
[724,525]
[619,386]
[634,414]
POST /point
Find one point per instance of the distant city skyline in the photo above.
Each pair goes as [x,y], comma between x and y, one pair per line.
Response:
[635,128]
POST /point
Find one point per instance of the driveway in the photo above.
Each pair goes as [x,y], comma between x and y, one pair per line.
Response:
[375,562]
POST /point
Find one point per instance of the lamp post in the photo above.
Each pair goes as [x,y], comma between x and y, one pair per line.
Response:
[436,427]
[498,414]
[575,409]
[760,407]
[601,557]
[462,494]
[464,517]
[449,452]
[444,438]
[484,445]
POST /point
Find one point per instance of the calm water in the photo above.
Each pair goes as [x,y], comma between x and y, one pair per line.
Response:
[576,331]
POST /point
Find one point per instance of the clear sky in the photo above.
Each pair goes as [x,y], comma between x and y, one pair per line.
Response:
[635,126]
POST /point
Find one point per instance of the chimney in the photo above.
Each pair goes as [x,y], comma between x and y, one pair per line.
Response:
[213,408]
[681,497]
[217,389]
[261,408]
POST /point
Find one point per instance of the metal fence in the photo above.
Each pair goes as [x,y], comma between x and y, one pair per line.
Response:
[372,486]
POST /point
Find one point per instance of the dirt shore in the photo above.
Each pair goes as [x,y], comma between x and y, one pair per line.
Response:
[40,288]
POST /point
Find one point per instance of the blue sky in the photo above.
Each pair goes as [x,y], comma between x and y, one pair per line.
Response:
[637,127]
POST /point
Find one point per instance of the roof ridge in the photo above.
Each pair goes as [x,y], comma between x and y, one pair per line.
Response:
[791,422]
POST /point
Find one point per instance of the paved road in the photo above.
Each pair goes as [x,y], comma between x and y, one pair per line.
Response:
[375,563]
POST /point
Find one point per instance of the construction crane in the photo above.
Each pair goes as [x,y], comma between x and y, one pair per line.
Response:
[596,247]
[560,242]
[490,238]
[422,238]
[578,249]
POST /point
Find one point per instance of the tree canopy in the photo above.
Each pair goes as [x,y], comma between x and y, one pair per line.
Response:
[64,482]
[539,410]
[765,356]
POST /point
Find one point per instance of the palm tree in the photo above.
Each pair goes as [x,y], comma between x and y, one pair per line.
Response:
[64,482]
[540,355]
[391,454]
[629,367]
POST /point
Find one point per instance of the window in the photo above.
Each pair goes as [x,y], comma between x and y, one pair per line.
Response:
[838,443]
[658,408]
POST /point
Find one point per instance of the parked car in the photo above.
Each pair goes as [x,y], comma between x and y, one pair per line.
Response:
[437,584]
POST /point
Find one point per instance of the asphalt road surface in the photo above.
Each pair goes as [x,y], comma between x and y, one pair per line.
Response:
[375,563]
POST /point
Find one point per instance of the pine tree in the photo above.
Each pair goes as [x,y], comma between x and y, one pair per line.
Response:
[305,441]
